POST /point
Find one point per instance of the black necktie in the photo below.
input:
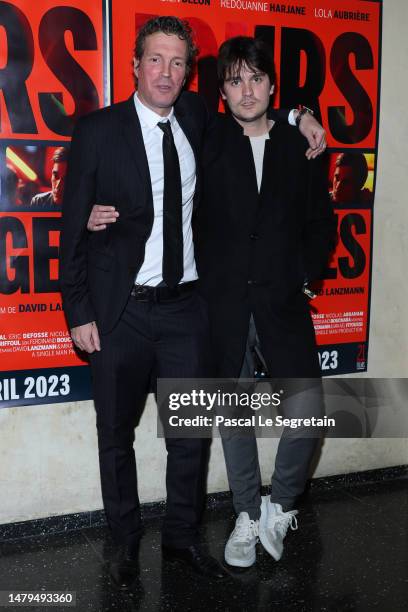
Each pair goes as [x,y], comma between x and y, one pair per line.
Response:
[173,267]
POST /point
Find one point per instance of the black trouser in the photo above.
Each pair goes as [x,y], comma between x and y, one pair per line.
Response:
[166,339]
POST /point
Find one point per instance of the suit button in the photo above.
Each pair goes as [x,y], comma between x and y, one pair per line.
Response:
[252,282]
[254,236]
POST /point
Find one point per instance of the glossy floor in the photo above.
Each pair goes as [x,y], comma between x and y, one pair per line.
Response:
[349,553]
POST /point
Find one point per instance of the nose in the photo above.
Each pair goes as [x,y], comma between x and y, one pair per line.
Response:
[166,68]
[247,88]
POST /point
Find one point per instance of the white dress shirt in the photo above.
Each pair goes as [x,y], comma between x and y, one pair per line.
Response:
[151,271]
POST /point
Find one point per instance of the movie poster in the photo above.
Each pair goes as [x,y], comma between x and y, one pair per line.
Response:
[53,70]
[60,60]
[327,57]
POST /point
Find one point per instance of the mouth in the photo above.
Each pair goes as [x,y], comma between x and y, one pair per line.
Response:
[164,88]
[248,104]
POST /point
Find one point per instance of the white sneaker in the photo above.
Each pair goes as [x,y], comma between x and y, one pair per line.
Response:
[273,525]
[240,548]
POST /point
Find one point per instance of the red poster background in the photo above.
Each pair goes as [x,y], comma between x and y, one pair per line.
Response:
[213,23]
[336,302]
[33,331]
[341,317]
[341,310]
[41,78]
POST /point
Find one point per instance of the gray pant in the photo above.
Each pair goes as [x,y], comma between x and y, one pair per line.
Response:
[294,451]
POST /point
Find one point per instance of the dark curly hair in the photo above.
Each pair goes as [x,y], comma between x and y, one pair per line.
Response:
[241,51]
[167,25]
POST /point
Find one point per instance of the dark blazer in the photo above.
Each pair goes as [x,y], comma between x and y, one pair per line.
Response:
[108,165]
[254,251]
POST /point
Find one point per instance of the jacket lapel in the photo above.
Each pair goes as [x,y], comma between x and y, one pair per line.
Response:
[132,133]
[278,186]
[240,170]
[186,122]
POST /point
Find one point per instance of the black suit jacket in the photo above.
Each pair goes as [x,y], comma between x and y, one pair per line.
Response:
[254,251]
[108,165]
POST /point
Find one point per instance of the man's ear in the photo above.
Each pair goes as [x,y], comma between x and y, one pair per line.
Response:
[136,63]
[223,96]
[272,90]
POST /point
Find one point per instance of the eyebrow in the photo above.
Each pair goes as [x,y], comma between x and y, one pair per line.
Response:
[238,76]
[178,57]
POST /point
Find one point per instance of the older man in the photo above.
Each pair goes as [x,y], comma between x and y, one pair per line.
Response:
[129,295]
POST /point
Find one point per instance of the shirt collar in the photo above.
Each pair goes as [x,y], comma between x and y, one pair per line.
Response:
[237,127]
[148,118]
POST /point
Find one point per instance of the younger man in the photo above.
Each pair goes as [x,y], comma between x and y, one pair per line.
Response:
[264,229]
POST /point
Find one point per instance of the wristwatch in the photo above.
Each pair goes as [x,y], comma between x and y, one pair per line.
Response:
[302,111]
[307,290]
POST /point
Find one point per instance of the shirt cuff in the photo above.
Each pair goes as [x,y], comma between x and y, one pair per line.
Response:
[292,117]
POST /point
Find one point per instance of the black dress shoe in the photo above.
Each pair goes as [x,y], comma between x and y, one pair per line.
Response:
[197,559]
[124,568]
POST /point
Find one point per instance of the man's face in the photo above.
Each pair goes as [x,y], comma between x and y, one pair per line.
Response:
[247,94]
[161,72]
[58,173]
[344,185]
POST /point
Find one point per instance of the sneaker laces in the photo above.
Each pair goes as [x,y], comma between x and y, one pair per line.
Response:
[283,522]
[246,530]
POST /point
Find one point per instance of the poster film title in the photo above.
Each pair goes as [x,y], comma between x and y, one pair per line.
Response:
[306,60]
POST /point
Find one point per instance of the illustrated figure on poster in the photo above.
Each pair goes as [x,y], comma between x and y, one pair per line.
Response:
[350,175]
[53,198]
[130,296]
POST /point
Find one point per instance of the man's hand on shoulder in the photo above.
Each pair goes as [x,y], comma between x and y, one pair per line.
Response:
[101,216]
[314,133]
[86,337]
